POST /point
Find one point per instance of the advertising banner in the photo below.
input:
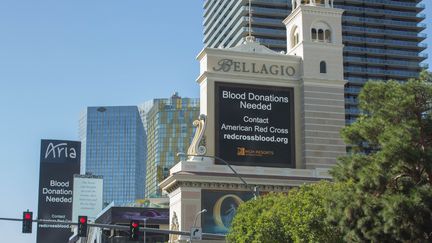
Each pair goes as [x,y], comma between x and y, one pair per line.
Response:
[254,125]
[59,161]
[151,215]
[87,196]
[221,208]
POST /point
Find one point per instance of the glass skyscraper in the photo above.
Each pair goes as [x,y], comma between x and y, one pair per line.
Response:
[382,38]
[114,147]
[169,131]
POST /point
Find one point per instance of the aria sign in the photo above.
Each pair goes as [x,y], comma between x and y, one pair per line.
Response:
[59,161]
[60,150]
[229,65]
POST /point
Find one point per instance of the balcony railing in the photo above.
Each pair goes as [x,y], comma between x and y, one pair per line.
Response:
[352,90]
[384,41]
[392,3]
[269,11]
[381,11]
[385,51]
[352,111]
[257,20]
[381,61]
[352,101]
[279,2]
[357,80]
[382,72]
[264,31]
[384,21]
[385,31]
[271,42]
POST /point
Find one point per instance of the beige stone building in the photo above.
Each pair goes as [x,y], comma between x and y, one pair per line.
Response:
[275,117]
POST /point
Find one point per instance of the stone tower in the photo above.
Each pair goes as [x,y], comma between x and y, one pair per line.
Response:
[314,33]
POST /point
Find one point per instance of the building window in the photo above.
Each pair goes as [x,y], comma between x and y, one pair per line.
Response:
[323,67]
[327,36]
[314,34]
[321,35]
[321,32]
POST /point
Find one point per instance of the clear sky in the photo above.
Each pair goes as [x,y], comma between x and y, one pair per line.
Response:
[58,56]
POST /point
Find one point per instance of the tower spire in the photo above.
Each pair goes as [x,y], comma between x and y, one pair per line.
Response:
[250,38]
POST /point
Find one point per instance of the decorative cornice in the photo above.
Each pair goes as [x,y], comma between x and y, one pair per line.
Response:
[216,181]
[225,186]
[227,53]
[240,76]
[320,11]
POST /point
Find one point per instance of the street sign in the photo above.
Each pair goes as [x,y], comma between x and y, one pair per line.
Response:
[196,234]
[59,161]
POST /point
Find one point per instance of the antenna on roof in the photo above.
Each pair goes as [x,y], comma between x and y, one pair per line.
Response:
[250,38]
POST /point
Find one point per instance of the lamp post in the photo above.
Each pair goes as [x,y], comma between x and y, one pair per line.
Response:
[145,225]
[194,224]
[197,214]
[254,190]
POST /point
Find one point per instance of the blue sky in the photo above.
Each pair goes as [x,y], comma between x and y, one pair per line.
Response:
[58,56]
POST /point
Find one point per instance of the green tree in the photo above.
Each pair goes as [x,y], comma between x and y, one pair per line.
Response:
[297,216]
[390,167]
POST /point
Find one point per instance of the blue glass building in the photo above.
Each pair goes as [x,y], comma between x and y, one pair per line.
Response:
[114,146]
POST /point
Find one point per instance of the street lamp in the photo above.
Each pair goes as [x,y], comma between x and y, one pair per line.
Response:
[196,216]
[254,190]
[194,224]
[145,225]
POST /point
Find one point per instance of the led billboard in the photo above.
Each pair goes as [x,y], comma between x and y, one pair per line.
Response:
[254,124]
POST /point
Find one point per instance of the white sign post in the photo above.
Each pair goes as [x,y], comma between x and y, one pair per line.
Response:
[87,196]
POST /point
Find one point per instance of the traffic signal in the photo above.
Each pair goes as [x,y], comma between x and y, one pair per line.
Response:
[82,226]
[134,230]
[27,222]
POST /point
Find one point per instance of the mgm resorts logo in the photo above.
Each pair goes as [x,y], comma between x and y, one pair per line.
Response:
[228,65]
[241,151]
[60,150]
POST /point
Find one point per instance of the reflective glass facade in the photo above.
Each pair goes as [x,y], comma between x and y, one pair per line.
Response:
[382,38]
[114,145]
[169,131]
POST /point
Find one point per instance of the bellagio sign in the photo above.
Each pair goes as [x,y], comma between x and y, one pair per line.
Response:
[229,65]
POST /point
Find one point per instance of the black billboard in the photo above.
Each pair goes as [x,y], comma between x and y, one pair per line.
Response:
[254,125]
[221,208]
[59,161]
[123,215]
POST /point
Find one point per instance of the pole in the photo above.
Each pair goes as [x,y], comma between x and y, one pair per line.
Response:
[118,227]
[145,225]
[194,224]
[250,19]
